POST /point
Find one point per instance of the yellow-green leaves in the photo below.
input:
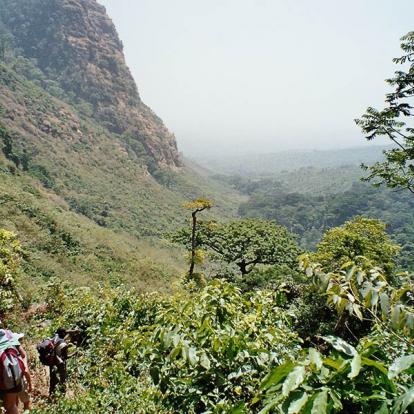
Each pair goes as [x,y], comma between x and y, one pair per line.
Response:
[198,204]
[297,405]
[358,238]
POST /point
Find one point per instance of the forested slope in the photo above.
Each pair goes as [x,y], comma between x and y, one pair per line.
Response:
[311,200]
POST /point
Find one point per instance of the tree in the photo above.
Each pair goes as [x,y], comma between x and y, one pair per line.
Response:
[356,238]
[249,242]
[197,206]
[397,171]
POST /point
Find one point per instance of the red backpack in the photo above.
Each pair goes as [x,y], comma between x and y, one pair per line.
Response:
[11,369]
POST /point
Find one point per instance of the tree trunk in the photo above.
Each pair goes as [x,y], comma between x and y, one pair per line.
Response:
[243,267]
[193,245]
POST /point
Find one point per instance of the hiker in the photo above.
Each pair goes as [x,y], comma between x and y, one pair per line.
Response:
[13,370]
[53,352]
[57,371]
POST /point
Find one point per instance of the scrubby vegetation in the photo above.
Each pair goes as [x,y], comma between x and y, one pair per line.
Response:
[219,350]
[303,305]
[336,337]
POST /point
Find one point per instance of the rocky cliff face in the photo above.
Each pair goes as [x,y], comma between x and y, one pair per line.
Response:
[75,45]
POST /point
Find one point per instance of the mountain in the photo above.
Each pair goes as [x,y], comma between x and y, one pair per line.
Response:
[85,166]
[76,46]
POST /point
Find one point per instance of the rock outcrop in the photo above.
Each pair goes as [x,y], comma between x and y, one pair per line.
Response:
[75,45]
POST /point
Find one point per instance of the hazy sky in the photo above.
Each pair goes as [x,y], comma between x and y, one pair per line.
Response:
[261,75]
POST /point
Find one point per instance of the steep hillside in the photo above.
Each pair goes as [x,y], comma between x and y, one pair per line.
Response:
[79,125]
[90,178]
[58,243]
[76,46]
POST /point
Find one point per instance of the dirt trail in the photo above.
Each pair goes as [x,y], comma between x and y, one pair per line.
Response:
[40,379]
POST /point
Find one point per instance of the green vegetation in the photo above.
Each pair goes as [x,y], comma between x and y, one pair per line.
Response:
[243,243]
[9,261]
[359,237]
[220,351]
[305,202]
[335,338]
[59,243]
[397,171]
[90,180]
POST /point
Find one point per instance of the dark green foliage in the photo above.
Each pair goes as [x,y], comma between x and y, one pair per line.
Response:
[310,215]
[43,175]
[278,277]
[8,149]
[244,244]
[393,122]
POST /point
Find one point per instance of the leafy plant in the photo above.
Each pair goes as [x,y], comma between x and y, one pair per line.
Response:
[397,171]
[198,352]
[245,243]
[346,380]
[356,238]
[10,255]
[364,292]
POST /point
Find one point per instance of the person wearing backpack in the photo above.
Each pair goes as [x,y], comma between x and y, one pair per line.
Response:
[57,371]
[12,369]
[53,352]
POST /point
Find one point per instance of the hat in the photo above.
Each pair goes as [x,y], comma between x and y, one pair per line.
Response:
[6,335]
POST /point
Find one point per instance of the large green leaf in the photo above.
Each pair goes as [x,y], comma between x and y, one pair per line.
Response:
[404,402]
[296,406]
[355,366]
[276,375]
[340,345]
[395,316]
[376,364]
[400,365]
[385,304]
[320,403]
[315,358]
[293,380]
[204,361]
[383,409]
[192,355]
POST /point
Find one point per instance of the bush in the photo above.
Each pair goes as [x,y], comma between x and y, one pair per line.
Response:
[191,352]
